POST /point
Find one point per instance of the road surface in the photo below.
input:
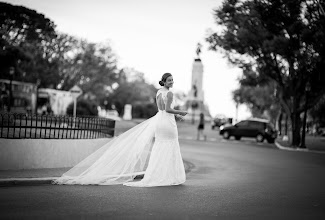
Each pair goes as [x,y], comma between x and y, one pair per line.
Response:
[230,179]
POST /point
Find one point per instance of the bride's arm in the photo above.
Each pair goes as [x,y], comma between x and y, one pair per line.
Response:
[171,110]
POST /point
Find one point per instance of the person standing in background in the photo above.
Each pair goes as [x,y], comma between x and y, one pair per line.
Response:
[200,128]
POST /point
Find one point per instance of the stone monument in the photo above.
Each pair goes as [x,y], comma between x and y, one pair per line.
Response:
[195,99]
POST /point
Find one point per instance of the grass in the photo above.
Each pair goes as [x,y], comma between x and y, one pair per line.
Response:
[312,142]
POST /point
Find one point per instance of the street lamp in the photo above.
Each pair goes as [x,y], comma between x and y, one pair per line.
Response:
[11,76]
[237,105]
[303,135]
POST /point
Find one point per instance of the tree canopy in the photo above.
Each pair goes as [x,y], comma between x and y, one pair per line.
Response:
[30,44]
[282,41]
[133,89]
[40,54]
[25,37]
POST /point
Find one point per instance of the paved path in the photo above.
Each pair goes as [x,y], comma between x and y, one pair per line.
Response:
[231,180]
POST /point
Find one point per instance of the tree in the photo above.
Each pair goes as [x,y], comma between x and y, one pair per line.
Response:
[30,43]
[282,41]
[258,100]
[84,107]
[91,66]
[318,112]
[136,91]
[25,44]
[258,94]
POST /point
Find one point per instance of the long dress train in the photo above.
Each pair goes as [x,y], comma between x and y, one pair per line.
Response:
[165,165]
[150,148]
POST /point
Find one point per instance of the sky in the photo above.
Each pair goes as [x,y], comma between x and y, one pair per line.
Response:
[153,37]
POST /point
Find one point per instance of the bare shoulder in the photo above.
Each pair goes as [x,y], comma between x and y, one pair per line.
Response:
[170,94]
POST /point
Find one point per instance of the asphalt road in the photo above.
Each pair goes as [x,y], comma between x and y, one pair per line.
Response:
[231,180]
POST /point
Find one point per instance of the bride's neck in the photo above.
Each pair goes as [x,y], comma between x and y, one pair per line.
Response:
[166,88]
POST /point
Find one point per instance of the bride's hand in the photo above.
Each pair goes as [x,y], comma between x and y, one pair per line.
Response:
[179,118]
[183,113]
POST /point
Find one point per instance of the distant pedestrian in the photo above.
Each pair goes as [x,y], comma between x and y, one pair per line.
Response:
[200,128]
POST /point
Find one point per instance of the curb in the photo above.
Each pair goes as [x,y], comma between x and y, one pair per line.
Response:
[26,181]
[279,146]
[48,180]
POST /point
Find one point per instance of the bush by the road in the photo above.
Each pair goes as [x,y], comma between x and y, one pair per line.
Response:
[84,107]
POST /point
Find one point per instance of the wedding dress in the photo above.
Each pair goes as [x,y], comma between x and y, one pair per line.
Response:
[150,148]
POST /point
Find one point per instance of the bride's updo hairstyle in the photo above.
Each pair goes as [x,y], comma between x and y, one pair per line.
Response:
[164,78]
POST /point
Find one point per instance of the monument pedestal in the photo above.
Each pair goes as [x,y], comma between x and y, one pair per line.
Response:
[195,100]
[194,109]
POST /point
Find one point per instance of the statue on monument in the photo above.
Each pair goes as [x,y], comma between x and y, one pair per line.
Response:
[198,50]
[194,91]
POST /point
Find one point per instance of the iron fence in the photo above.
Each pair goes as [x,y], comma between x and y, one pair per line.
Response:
[15,126]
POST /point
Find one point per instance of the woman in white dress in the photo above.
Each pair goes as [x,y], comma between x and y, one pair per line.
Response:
[150,148]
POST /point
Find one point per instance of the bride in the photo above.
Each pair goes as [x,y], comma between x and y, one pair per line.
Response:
[150,148]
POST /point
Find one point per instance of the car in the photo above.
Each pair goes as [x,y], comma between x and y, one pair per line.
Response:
[261,129]
[218,121]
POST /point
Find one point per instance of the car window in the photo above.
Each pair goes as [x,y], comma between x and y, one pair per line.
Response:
[242,124]
[256,124]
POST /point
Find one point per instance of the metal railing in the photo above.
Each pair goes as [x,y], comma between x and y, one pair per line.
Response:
[19,126]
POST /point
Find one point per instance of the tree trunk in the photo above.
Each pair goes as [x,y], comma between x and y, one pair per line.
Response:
[295,122]
[303,132]
[286,126]
[286,109]
[280,122]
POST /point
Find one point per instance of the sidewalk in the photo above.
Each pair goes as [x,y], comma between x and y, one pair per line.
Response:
[44,176]
[314,144]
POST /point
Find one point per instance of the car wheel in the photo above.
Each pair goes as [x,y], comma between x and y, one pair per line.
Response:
[237,138]
[226,135]
[259,138]
[270,141]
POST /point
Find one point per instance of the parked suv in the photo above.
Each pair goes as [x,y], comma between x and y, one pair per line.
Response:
[259,128]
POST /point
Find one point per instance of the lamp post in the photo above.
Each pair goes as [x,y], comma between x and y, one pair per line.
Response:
[303,135]
[11,76]
[237,105]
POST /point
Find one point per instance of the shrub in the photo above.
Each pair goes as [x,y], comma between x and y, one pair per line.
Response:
[84,107]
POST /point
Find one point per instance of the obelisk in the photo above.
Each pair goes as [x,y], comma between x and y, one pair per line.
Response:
[195,99]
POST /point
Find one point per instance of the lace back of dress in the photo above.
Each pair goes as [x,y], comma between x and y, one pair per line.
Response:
[163,95]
